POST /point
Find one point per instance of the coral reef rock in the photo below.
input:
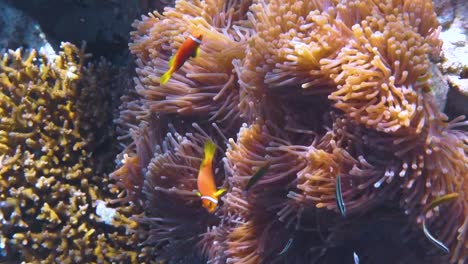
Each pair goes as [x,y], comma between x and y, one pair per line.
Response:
[455,54]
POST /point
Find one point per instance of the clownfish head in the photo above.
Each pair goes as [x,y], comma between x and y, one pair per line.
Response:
[198,36]
[209,203]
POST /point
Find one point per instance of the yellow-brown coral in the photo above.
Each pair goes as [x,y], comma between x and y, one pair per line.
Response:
[52,181]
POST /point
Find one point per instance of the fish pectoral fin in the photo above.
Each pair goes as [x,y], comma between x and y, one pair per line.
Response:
[196,53]
[220,192]
[198,193]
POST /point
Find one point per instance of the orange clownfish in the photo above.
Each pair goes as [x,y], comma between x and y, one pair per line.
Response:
[206,185]
[190,48]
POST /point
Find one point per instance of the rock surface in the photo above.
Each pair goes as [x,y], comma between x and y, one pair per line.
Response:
[17,29]
[104,24]
[453,15]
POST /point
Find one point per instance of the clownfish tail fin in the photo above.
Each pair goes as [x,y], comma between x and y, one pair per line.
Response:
[209,148]
[165,77]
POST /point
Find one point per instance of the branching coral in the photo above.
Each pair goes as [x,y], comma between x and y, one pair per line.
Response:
[54,121]
[326,88]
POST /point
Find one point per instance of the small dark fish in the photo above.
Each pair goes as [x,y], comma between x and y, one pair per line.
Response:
[339,196]
[356,258]
[436,202]
[286,247]
[259,174]
[442,199]
[436,242]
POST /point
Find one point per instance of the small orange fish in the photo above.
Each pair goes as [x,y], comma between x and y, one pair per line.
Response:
[190,48]
[206,185]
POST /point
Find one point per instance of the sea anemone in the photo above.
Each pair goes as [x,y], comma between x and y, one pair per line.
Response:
[205,86]
[163,183]
[382,71]
[326,92]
